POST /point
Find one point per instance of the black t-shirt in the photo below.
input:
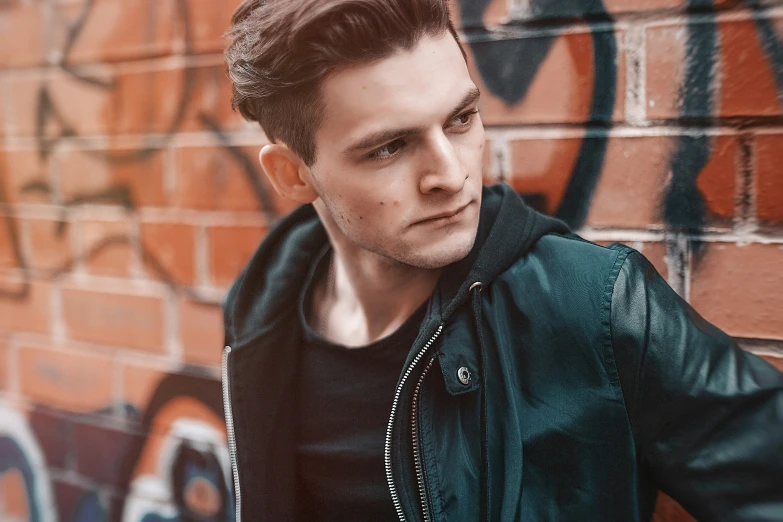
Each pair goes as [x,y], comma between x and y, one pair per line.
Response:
[345,397]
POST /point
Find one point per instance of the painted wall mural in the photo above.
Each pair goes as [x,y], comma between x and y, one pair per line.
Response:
[183,113]
[173,462]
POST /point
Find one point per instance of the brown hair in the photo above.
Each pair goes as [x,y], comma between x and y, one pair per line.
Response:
[282,50]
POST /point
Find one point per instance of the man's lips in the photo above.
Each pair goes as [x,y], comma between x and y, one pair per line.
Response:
[444,216]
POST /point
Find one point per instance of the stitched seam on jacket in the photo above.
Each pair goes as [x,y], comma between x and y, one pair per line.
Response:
[629,408]
[606,314]
[428,447]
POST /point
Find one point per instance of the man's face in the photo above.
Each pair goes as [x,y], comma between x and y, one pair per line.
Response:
[400,146]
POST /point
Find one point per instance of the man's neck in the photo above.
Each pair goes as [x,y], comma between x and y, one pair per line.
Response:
[364,297]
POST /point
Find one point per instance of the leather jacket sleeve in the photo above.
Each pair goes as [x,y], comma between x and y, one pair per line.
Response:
[707,416]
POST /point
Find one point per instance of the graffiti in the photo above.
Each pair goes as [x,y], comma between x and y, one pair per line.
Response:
[23,473]
[169,457]
[174,463]
[48,116]
[187,469]
[509,64]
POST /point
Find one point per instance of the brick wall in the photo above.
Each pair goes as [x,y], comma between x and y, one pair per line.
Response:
[130,198]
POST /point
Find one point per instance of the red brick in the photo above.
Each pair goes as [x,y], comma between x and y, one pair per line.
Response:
[632,6]
[209,178]
[81,175]
[152,101]
[208,21]
[5,183]
[106,247]
[170,247]
[21,25]
[230,248]
[4,363]
[53,433]
[114,319]
[493,14]
[632,181]
[745,84]
[562,91]
[163,101]
[22,93]
[614,7]
[769,181]
[629,6]
[740,289]
[542,168]
[142,175]
[173,100]
[28,312]
[201,332]
[717,181]
[10,243]
[749,86]
[100,452]
[147,102]
[656,254]
[497,11]
[50,245]
[88,175]
[72,381]
[210,96]
[22,168]
[118,29]
[666,54]
[139,383]
[87,109]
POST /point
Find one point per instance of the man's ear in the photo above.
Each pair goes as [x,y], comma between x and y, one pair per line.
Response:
[287,173]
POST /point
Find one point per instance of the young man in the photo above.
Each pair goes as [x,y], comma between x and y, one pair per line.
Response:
[408,345]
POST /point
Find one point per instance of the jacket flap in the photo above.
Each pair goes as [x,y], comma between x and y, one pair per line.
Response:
[457,354]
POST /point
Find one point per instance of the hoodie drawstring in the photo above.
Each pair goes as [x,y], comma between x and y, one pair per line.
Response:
[475,294]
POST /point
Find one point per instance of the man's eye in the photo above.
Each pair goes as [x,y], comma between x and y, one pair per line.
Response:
[387,151]
[464,119]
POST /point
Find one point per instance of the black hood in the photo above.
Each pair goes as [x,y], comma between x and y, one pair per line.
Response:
[266,292]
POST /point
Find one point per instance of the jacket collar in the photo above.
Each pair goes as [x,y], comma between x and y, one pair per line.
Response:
[268,288]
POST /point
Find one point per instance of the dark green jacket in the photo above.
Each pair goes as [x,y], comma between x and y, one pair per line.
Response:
[570,384]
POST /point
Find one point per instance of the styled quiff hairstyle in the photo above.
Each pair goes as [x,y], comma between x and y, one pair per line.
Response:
[282,50]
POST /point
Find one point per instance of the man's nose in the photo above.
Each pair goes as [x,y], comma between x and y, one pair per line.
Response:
[441,168]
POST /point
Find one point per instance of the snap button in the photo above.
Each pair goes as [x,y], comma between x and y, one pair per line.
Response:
[463,375]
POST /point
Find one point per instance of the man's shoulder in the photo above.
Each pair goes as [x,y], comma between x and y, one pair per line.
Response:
[569,256]
[566,278]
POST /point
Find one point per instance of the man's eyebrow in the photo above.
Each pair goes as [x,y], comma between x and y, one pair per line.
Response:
[382,136]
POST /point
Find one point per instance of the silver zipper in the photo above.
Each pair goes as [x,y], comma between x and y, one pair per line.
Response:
[420,478]
[387,448]
[232,443]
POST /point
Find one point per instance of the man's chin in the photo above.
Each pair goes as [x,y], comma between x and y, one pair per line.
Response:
[434,258]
